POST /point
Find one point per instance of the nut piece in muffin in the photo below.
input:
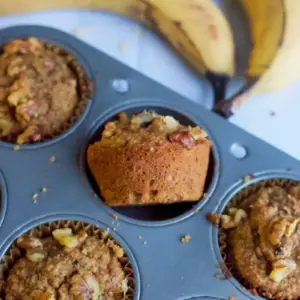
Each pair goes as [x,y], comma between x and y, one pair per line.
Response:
[264,241]
[149,159]
[66,266]
[40,91]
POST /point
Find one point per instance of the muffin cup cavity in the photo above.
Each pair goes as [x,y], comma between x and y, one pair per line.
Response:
[45,230]
[225,250]
[27,122]
[162,213]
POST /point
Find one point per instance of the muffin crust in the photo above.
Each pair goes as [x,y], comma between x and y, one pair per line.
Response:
[264,246]
[40,92]
[59,269]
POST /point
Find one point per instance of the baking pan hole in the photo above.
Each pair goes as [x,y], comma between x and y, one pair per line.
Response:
[44,230]
[238,151]
[120,85]
[242,199]
[163,211]
[35,70]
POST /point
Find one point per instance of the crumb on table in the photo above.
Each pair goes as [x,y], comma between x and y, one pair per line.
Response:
[52,159]
[185,239]
[213,218]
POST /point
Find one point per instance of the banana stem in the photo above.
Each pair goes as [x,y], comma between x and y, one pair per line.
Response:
[219,84]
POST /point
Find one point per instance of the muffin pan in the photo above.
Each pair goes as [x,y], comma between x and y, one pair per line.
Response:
[163,267]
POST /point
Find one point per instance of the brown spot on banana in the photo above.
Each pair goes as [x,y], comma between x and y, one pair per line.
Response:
[204,14]
[134,12]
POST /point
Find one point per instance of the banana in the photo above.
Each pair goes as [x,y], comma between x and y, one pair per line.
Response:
[285,68]
[196,28]
[266,19]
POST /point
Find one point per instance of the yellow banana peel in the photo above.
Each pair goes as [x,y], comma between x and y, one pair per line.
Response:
[196,28]
[285,68]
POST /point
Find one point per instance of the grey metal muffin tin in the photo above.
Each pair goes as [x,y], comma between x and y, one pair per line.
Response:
[164,267]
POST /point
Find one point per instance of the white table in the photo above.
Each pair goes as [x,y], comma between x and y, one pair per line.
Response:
[275,117]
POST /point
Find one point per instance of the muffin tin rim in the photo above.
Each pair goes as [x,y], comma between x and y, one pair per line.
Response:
[25,227]
[144,104]
[225,199]
[84,64]
[3,199]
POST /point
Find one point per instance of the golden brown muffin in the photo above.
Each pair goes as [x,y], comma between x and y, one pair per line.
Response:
[39,91]
[264,241]
[66,267]
[149,159]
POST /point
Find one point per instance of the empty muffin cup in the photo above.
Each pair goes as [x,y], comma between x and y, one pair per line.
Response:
[43,91]
[260,238]
[66,260]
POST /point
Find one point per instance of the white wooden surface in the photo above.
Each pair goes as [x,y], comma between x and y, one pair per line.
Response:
[274,117]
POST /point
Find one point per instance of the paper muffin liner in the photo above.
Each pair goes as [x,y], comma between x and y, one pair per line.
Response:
[45,230]
[84,85]
[238,201]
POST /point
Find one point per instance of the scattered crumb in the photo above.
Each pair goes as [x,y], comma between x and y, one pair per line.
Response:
[272,113]
[114,229]
[145,243]
[123,46]
[140,237]
[44,190]
[213,218]
[52,159]
[115,216]
[232,298]
[185,238]
[196,210]
[246,178]
[35,196]
[16,148]
[80,31]
[34,201]
[95,195]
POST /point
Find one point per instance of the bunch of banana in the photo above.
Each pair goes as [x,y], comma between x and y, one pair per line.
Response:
[201,33]
[196,28]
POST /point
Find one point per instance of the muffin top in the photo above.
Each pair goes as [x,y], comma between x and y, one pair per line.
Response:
[150,127]
[264,241]
[66,266]
[38,91]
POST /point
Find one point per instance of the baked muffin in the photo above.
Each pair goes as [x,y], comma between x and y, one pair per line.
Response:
[149,159]
[66,266]
[264,241]
[40,91]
